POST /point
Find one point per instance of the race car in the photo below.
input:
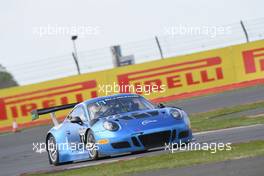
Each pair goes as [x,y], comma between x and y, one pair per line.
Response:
[110,125]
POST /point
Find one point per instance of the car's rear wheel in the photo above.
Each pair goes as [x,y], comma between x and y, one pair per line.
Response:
[53,152]
[93,149]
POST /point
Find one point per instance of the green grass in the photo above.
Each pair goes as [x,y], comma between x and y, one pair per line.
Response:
[226,117]
[168,160]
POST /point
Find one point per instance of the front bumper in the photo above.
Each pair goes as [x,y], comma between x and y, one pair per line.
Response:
[144,140]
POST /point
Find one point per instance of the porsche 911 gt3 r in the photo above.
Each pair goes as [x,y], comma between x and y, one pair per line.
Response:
[110,125]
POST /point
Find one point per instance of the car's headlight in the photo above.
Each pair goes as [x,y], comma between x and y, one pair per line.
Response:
[111,126]
[176,114]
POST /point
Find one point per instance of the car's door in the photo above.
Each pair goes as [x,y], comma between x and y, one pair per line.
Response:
[74,130]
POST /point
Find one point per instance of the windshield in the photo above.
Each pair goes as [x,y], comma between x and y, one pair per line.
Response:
[117,105]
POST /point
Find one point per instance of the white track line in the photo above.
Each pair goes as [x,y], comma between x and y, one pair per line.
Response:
[228,129]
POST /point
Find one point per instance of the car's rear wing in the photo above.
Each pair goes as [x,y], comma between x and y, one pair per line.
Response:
[36,113]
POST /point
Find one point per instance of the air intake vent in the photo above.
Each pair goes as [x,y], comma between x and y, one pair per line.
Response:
[183,134]
[153,113]
[126,118]
[119,145]
[135,141]
[155,139]
[173,135]
[139,116]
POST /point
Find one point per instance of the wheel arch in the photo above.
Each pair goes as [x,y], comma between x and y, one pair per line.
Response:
[58,137]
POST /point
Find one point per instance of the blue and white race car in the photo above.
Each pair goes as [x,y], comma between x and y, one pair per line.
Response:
[106,126]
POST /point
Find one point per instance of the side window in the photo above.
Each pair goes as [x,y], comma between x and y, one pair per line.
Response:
[78,111]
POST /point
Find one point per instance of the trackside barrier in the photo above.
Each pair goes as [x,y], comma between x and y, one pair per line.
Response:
[182,76]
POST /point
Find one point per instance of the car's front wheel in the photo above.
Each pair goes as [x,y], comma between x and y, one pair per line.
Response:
[91,142]
[52,150]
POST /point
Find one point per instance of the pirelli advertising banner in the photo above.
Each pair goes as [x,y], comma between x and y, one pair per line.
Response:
[161,80]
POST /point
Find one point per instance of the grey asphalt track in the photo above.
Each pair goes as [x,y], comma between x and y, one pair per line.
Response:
[216,101]
[241,167]
[17,156]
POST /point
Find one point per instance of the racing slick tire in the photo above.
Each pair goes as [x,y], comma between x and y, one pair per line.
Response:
[52,150]
[93,150]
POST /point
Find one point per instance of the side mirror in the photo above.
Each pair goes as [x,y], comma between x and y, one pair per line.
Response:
[76,119]
[160,105]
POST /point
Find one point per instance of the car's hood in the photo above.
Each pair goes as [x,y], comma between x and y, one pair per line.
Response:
[145,120]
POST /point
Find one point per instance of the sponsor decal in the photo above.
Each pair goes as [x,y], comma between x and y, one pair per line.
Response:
[21,105]
[176,75]
[145,122]
[253,60]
